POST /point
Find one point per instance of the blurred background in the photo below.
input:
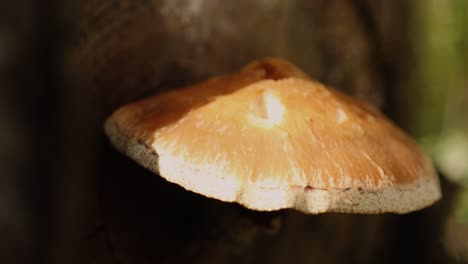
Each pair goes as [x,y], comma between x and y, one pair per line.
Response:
[67,197]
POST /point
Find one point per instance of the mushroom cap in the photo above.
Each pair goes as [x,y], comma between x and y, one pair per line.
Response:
[269,137]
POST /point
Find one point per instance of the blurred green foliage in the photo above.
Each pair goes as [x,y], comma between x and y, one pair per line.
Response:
[441,106]
[440,120]
[442,51]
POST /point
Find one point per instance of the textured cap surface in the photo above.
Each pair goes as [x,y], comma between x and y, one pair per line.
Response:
[269,137]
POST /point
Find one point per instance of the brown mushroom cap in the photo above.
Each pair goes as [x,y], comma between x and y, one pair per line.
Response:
[269,138]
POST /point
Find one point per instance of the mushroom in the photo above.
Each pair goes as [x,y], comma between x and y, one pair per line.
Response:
[269,137]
